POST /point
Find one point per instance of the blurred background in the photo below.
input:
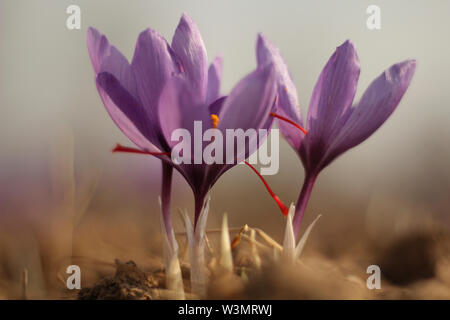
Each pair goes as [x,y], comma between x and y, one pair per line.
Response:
[56,137]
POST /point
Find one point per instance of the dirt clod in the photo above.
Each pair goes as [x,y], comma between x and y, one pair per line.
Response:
[129,283]
[410,259]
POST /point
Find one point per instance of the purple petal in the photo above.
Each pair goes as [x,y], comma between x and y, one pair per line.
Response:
[152,65]
[213,172]
[376,105]
[117,74]
[214,79]
[98,47]
[216,106]
[333,94]
[125,111]
[288,105]
[249,103]
[179,109]
[187,44]
[106,58]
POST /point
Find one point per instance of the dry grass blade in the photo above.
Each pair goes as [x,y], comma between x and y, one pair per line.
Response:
[254,249]
[256,242]
[213,230]
[271,242]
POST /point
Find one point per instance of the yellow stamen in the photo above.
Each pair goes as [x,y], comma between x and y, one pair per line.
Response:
[215,120]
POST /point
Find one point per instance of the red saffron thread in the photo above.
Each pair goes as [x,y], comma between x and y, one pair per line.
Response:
[284,209]
[120,148]
[275,115]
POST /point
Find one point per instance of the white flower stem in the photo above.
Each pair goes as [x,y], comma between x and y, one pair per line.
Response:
[196,242]
[174,279]
[291,253]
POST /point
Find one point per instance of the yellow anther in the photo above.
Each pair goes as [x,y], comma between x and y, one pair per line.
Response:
[215,120]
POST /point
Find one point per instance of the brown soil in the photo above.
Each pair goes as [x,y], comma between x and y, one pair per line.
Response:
[414,266]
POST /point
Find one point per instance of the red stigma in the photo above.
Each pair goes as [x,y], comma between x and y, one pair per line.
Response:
[275,115]
[283,208]
[120,148]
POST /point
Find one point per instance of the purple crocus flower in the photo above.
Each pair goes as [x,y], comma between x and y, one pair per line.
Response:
[167,87]
[333,124]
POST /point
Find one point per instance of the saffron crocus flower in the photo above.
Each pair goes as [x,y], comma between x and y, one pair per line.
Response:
[168,87]
[334,123]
